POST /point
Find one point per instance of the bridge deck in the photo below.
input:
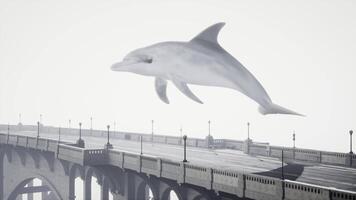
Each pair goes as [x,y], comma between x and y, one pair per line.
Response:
[319,174]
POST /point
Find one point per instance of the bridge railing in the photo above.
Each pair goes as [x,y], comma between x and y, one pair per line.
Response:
[263,149]
[228,181]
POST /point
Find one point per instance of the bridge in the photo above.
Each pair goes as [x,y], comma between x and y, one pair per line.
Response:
[134,165]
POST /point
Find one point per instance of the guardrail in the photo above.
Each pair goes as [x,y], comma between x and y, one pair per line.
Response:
[262,149]
[228,181]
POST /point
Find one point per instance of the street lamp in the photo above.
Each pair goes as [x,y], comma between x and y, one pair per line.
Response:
[248,130]
[108,145]
[351,141]
[152,130]
[38,129]
[80,142]
[8,129]
[69,122]
[141,144]
[294,139]
[91,125]
[282,165]
[114,126]
[80,130]
[181,134]
[185,148]
[59,134]
[209,127]
[8,132]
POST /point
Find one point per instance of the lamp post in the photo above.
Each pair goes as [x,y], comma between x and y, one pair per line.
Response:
[282,165]
[91,125]
[20,121]
[185,148]
[209,127]
[351,141]
[141,144]
[108,145]
[8,132]
[69,122]
[181,134]
[248,130]
[38,129]
[114,126]
[152,130]
[294,139]
[80,130]
[80,142]
[59,134]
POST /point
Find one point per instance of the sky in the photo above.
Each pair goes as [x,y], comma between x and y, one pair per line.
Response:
[55,59]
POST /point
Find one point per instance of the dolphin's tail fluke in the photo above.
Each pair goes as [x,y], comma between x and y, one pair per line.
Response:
[276,109]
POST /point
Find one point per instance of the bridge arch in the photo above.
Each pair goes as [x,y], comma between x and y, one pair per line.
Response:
[167,194]
[22,184]
[145,187]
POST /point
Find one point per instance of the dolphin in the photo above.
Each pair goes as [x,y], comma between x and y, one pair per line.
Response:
[201,61]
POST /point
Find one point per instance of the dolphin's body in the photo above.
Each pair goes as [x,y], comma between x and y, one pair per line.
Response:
[201,61]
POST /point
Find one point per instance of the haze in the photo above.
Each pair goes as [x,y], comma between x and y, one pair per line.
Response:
[55,59]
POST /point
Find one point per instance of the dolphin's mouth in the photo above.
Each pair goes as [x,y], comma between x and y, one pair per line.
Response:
[123,65]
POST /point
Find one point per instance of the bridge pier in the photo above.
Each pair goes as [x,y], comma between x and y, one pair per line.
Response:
[30,195]
[104,190]
[87,187]
[71,188]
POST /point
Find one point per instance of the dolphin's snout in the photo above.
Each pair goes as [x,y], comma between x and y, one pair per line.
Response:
[114,67]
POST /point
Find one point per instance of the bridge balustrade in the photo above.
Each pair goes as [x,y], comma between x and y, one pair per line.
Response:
[198,175]
[3,138]
[116,158]
[131,161]
[233,182]
[259,187]
[95,156]
[71,153]
[333,158]
[174,140]
[12,140]
[170,169]
[227,181]
[342,195]
[149,165]
[32,142]
[42,144]
[22,141]
[296,191]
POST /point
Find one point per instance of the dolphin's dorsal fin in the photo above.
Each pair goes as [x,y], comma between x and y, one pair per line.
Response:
[161,89]
[210,34]
[185,89]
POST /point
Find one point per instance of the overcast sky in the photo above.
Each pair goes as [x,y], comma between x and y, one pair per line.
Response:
[55,59]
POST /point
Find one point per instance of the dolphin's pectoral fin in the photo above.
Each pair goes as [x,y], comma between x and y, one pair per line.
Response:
[185,90]
[210,34]
[161,89]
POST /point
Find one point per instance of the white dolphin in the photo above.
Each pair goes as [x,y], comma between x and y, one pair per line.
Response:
[201,61]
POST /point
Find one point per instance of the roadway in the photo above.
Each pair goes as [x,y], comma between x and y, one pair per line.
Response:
[318,174]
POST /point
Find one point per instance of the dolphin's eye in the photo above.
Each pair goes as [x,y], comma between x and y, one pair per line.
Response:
[149,60]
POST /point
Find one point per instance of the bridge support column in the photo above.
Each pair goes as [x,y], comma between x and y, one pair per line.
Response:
[104,190]
[189,192]
[30,195]
[87,187]
[1,174]
[71,188]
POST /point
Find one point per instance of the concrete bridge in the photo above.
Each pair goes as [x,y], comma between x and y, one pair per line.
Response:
[249,171]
